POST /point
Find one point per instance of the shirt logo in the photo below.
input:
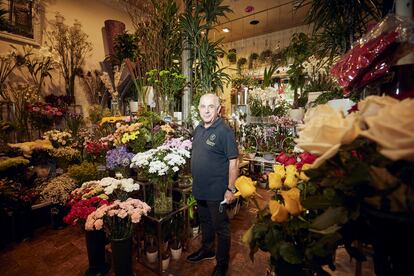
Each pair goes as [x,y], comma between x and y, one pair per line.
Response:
[210,140]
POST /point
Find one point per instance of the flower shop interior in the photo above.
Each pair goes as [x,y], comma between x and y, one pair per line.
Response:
[99,100]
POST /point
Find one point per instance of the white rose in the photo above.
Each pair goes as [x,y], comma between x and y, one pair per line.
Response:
[325,130]
[372,104]
[392,127]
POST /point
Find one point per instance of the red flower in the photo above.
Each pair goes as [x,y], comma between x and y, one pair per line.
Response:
[307,157]
[80,211]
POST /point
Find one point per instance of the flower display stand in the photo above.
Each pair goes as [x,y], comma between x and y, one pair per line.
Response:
[158,222]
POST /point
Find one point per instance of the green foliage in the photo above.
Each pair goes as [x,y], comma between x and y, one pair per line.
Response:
[232,55]
[298,51]
[240,63]
[267,76]
[266,56]
[252,59]
[337,24]
[197,22]
[126,46]
[83,172]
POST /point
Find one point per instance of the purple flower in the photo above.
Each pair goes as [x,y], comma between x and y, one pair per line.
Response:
[118,157]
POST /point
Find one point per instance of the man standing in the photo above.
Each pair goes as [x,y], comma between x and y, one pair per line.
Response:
[214,166]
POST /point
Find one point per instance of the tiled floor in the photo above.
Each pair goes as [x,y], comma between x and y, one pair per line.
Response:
[63,252]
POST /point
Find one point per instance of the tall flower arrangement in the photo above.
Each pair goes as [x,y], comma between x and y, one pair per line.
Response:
[117,218]
[160,164]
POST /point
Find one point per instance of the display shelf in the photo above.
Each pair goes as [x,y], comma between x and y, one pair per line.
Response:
[159,220]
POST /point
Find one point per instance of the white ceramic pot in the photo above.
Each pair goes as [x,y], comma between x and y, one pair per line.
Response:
[165,264]
[133,106]
[313,95]
[176,253]
[152,256]
[297,114]
[341,105]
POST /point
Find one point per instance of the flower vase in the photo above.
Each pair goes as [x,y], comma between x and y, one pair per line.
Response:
[163,195]
[95,244]
[122,256]
[115,107]
[57,213]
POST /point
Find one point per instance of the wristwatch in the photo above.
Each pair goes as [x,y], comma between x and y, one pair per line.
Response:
[233,190]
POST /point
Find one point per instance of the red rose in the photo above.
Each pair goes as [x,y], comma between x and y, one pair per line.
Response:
[307,157]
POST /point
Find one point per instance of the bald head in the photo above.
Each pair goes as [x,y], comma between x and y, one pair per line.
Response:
[210,97]
[209,108]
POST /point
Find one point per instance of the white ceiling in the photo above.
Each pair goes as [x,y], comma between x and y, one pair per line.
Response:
[274,15]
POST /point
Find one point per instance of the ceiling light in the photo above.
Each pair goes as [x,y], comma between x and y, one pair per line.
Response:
[254,22]
[226,30]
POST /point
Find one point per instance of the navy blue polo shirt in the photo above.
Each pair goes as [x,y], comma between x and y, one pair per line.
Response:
[212,149]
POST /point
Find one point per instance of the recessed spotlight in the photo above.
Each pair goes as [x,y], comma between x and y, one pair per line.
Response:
[254,22]
[226,30]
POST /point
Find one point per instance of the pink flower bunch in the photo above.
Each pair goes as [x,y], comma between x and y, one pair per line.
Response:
[130,209]
[178,143]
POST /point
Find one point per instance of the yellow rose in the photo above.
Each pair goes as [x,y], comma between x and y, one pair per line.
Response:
[279,169]
[278,211]
[275,180]
[245,186]
[302,175]
[292,201]
[248,235]
[392,128]
[291,180]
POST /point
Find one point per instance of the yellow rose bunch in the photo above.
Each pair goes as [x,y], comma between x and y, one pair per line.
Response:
[291,205]
[246,186]
[287,176]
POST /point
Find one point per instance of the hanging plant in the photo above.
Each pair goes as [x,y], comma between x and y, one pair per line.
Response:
[253,57]
[265,55]
[241,62]
[276,58]
[232,55]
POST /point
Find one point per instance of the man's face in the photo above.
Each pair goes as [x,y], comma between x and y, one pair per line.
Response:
[209,108]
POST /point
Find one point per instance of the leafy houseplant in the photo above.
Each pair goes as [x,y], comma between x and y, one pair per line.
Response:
[337,24]
[197,21]
[267,76]
[298,51]
[266,56]
[252,59]
[241,62]
[232,55]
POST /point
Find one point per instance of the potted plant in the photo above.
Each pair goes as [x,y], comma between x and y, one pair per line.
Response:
[252,59]
[241,62]
[232,55]
[177,227]
[298,51]
[266,56]
[193,215]
[250,152]
[165,258]
[151,248]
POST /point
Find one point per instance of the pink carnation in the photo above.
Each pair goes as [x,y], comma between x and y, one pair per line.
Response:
[98,224]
